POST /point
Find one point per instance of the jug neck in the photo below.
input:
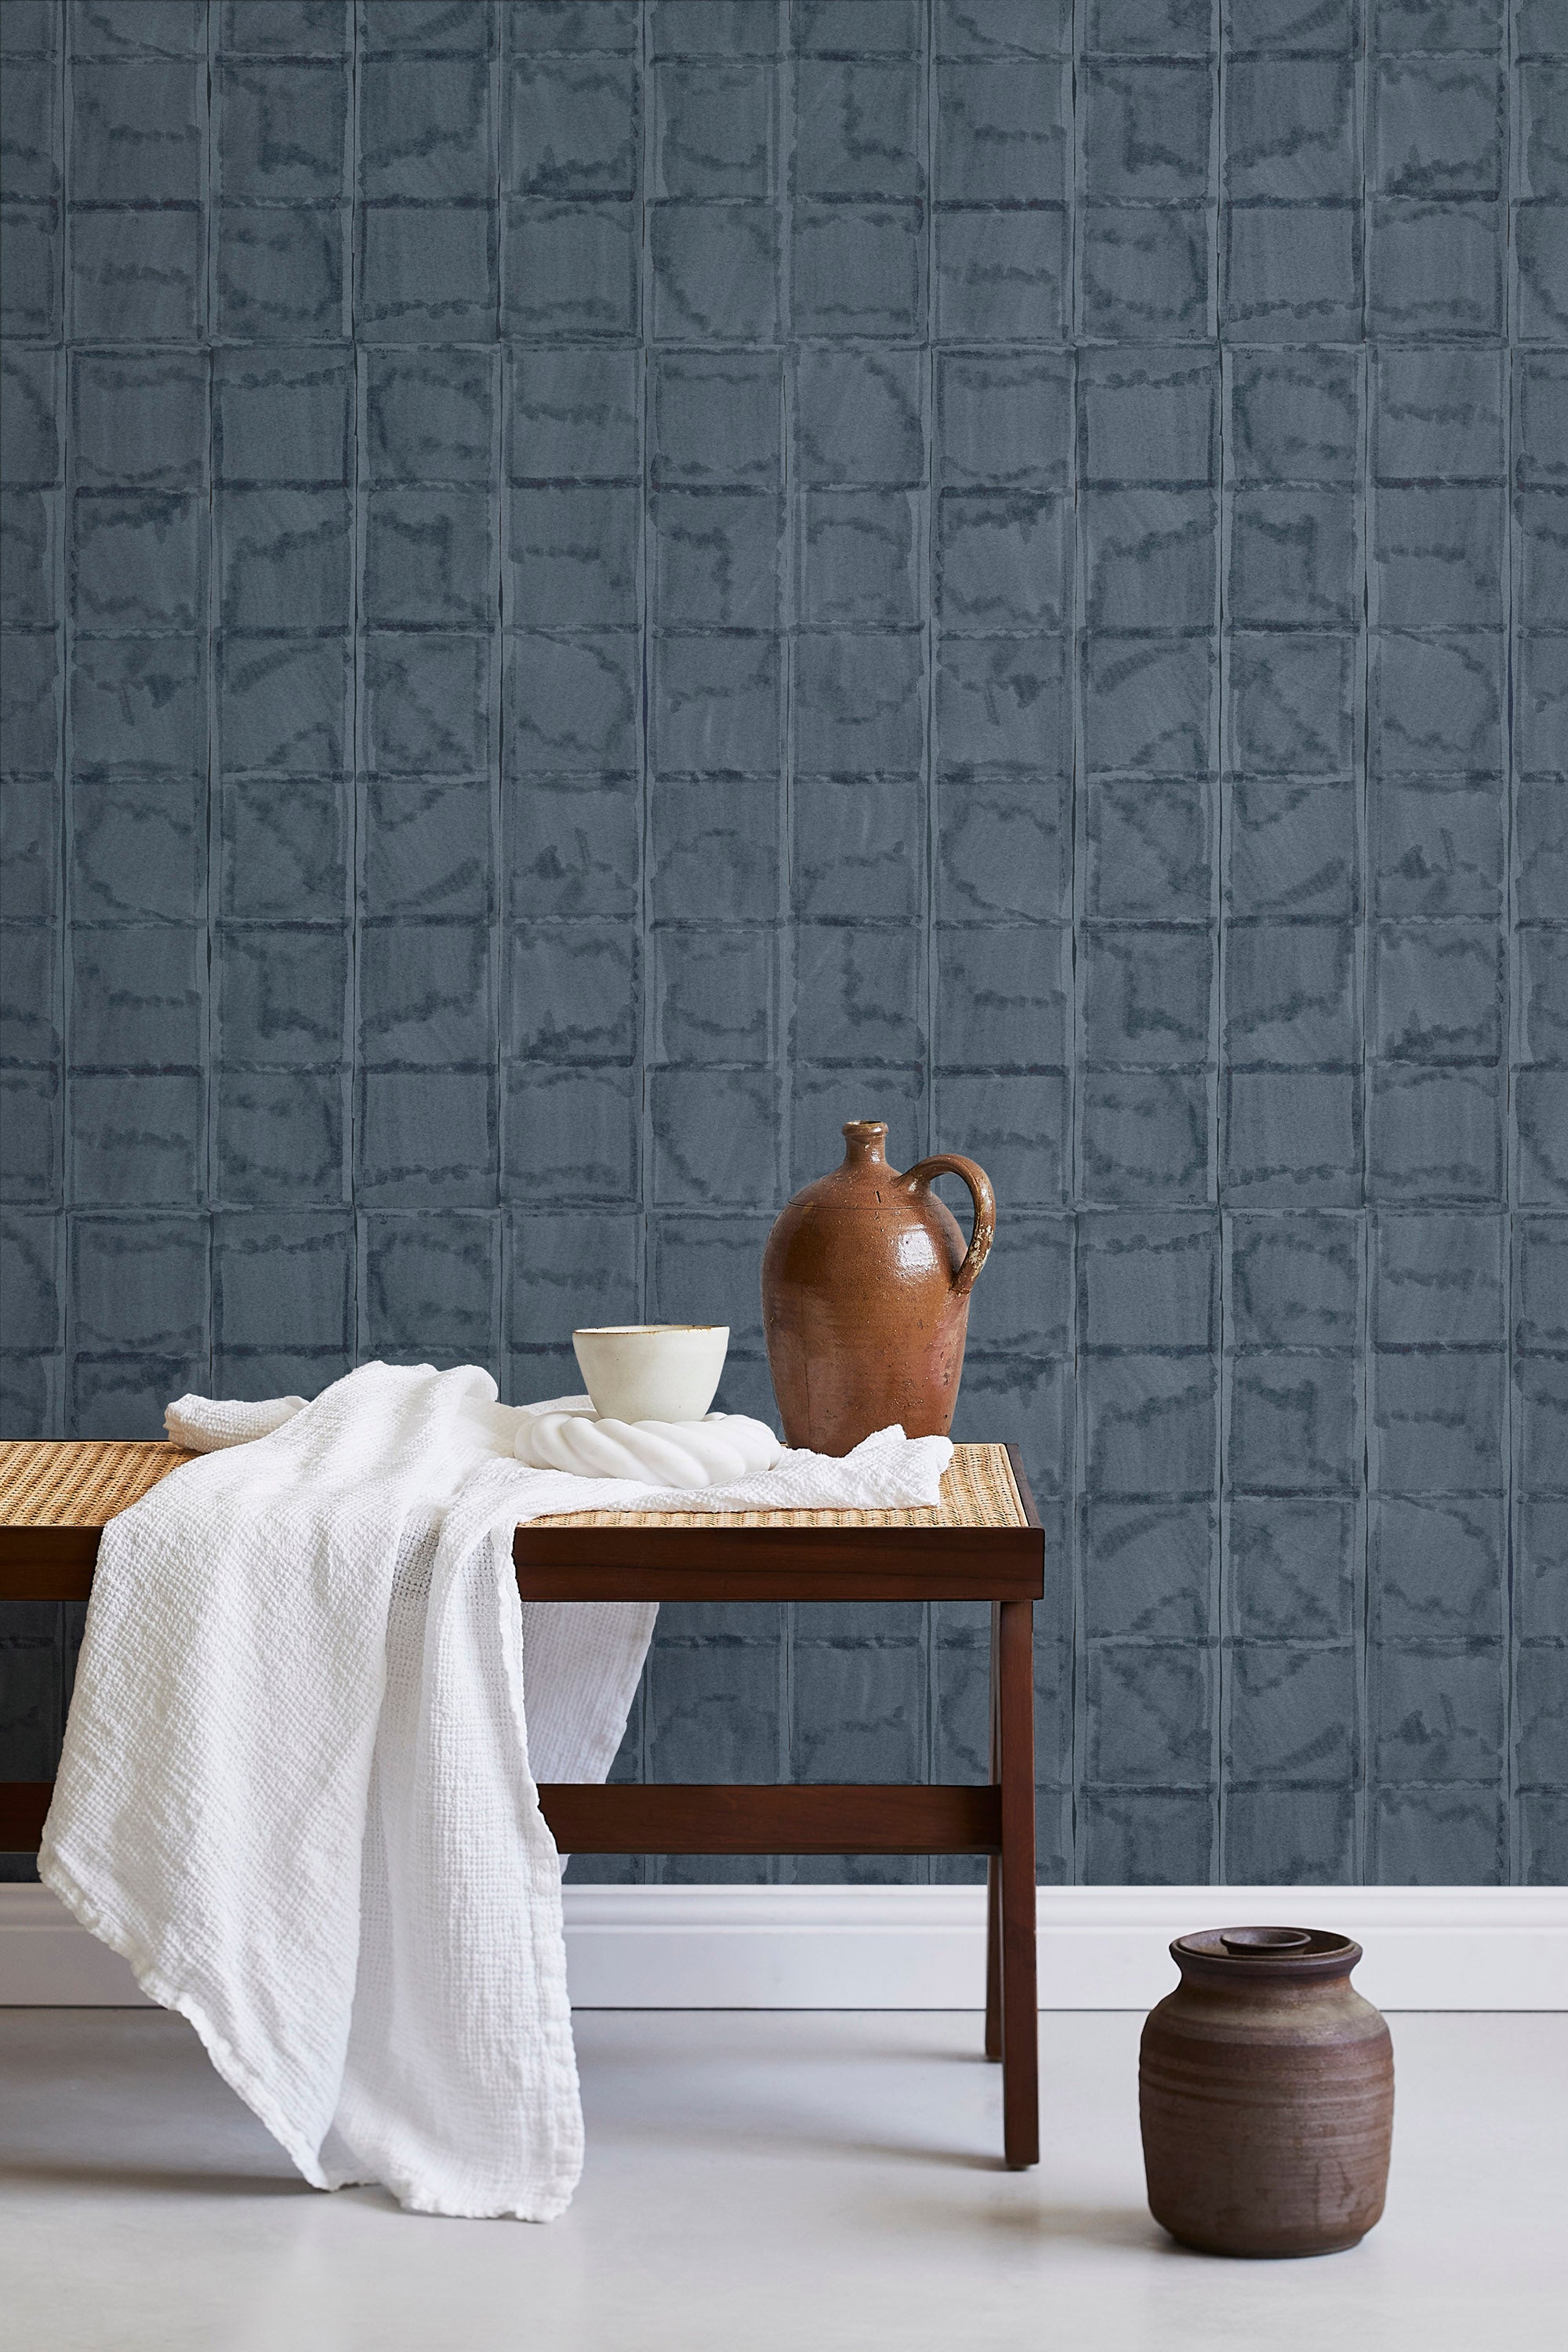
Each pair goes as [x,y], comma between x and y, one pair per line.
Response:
[864,1142]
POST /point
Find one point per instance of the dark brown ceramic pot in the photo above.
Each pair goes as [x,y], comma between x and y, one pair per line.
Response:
[1266,2092]
[865,1284]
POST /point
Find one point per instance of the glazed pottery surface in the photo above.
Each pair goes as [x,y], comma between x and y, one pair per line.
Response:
[1266,2094]
[652,1371]
[865,1283]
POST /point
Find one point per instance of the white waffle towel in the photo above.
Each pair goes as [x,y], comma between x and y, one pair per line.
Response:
[297,1792]
[206,1425]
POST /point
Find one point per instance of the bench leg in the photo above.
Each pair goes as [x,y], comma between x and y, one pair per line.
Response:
[1013,1646]
[993,1959]
[994,1886]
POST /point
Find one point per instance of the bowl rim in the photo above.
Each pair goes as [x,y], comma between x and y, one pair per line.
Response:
[646,1331]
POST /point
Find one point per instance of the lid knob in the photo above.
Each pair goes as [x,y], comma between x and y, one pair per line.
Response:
[1265,1939]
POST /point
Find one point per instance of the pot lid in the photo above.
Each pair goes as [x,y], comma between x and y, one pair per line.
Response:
[1309,1951]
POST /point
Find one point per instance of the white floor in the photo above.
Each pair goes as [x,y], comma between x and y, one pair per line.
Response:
[757,2182]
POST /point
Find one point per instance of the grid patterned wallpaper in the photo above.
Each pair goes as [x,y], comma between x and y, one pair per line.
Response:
[600,588]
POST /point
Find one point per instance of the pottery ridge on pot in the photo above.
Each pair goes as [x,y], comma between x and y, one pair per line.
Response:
[1266,2095]
[865,1283]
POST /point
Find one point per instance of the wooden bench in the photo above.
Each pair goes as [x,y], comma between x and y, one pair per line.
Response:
[982,1542]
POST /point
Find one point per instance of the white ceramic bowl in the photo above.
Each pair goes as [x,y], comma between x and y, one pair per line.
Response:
[652,1371]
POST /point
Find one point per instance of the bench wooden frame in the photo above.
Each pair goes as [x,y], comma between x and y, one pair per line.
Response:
[1003,1564]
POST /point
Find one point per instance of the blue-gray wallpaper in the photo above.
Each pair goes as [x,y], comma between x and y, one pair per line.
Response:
[594,589]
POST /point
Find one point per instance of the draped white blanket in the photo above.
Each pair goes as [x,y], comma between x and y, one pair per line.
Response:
[298,1791]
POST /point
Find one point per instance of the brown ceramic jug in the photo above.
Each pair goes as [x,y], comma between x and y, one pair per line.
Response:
[1265,2093]
[865,1284]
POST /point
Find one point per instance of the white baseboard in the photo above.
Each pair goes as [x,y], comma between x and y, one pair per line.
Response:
[923,1947]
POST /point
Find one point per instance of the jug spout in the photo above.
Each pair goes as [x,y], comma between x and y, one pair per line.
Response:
[865,1141]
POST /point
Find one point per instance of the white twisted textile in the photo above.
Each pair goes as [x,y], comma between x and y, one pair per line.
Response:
[567,1435]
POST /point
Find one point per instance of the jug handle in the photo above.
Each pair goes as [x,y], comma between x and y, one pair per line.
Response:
[948,1163]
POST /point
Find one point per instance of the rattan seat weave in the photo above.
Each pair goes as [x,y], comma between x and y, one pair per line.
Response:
[85,1483]
[78,1485]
